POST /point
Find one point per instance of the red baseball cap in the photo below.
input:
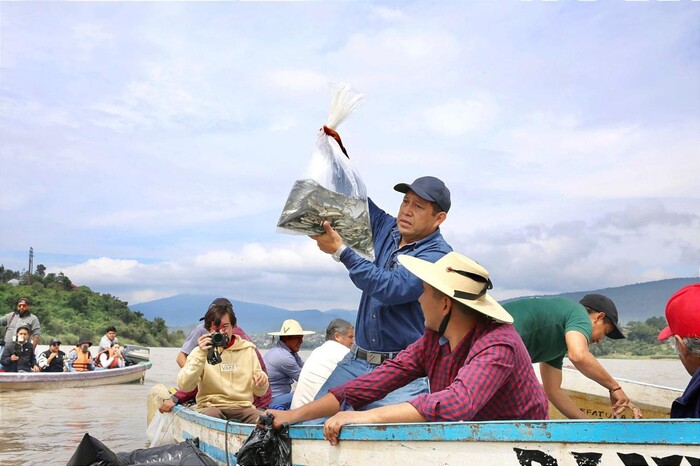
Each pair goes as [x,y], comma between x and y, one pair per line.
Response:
[683,313]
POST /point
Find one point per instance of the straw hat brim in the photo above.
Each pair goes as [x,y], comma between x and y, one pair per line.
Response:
[289,334]
[433,273]
[291,327]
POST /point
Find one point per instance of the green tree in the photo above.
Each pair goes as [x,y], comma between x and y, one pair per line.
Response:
[642,332]
[79,301]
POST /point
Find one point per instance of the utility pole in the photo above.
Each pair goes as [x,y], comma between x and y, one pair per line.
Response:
[31,265]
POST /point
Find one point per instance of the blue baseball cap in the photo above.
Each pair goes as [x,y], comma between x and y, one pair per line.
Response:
[429,188]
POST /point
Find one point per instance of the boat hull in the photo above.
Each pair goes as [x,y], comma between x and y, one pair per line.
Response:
[54,380]
[594,400]
[553,443]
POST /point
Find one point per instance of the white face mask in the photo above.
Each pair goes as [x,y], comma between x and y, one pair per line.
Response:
[20,338]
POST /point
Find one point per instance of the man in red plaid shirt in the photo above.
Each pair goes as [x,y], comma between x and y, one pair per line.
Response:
[478,366]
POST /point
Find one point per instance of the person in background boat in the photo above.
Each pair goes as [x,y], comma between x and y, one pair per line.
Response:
[80,359]
[389,317]
[110,358]
[183,397]
[18,355]
[227,375]
[284,363]
[556,327]
[478,366]
[108,339]
[340,336]
[22,316]
[683,317]
[53,359]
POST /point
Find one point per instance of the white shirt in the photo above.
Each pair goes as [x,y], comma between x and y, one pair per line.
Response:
[105,360]
[317,368]
[106,343]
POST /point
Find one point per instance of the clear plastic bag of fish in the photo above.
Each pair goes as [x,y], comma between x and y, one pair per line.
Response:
[331,188]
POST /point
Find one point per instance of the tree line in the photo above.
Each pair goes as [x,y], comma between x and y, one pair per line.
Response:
[76,313]
[641,341]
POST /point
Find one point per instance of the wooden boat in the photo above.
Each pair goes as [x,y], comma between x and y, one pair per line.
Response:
[594,400]
[503,443]
[52,380]
[601,441]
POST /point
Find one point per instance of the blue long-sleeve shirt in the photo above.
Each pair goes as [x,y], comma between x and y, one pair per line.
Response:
[389,317]
[283,368]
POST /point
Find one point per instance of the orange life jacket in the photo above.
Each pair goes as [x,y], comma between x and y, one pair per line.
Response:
[110,354]
[82,363]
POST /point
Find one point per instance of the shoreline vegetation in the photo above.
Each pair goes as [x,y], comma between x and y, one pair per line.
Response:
[75,313]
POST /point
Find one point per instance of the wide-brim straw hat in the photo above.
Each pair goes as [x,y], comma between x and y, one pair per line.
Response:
[291,327]
[461,279]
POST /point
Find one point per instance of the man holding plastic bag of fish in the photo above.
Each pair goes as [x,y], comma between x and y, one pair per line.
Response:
[331,205]
[389,317]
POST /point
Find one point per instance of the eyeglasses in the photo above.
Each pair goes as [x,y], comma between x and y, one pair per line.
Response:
[55,344]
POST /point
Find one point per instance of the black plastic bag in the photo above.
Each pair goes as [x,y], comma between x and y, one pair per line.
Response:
[266,445]
[92,452]
[185,453]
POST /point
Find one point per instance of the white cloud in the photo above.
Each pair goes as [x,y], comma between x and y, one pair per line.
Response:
[390,15]
[462,115]
[91,36]
[289,80]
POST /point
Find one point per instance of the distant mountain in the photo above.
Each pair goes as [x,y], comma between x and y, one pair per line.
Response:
[185,310]
[635,302]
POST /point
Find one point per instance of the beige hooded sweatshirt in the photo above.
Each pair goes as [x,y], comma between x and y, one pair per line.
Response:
[227,384]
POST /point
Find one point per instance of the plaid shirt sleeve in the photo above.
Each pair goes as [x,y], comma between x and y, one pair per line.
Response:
[475,384]
[392,374]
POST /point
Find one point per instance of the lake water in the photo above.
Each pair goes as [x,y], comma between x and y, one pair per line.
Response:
[46,426]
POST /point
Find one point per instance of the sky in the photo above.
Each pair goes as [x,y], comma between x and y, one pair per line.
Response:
[147,148]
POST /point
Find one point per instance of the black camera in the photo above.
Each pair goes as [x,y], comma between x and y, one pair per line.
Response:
[219,341]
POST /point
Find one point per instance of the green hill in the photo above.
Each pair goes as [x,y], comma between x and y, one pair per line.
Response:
[72,313]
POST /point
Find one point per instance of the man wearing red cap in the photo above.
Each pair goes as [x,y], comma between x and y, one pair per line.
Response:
[683,316]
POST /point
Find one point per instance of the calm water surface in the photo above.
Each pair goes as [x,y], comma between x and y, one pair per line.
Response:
[45,426]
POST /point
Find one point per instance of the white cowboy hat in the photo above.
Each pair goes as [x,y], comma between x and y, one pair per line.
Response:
[461,279]
[291,327]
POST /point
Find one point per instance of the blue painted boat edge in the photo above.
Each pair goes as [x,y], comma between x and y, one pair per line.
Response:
[631,431]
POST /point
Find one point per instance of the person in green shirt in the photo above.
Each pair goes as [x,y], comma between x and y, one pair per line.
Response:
[554,327]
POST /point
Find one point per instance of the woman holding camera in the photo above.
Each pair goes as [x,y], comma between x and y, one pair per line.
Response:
[225,370]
